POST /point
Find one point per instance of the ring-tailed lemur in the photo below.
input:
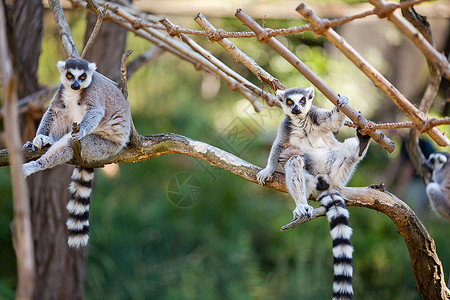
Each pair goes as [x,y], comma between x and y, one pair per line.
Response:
[103,115]
[438,190]
[316,162]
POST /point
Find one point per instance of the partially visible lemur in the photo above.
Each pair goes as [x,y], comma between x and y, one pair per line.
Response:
[103,115]
[438,190]
[316,162]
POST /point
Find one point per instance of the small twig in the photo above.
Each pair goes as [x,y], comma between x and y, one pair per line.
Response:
[123,73]
[317,212]
[372,73]
[356,117]
[135,138]
[239,82]
[143,59]
[438,59]
[426,125]
[238,55]
[98,25]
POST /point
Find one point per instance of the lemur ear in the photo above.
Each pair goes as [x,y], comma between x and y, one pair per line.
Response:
[92,67]
[310,92]
[280,95]
[61,66]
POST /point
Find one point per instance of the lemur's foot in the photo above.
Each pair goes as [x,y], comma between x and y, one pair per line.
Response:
[342,101]
[303,210]
[264,175]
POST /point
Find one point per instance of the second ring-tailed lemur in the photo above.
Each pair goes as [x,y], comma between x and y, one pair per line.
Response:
[317,164]
[104,119]
[438,190]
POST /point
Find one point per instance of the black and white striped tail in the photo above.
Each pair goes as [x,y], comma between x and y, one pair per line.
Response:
[340,232]
[80,197]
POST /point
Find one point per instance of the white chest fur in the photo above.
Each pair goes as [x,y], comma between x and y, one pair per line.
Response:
[75,112]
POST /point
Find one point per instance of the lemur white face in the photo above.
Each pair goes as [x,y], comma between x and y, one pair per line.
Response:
[76,73]
[296,102]
[437,161]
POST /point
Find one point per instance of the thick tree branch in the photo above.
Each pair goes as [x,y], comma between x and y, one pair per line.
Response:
[426,267]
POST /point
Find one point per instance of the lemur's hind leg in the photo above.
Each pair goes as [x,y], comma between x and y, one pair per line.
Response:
[296,185]
[95,147]
[60,152]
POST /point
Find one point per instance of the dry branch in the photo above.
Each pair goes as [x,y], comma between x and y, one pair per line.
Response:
[22,233]
[98,24]
[143,59]
[245,89]
[124,17]
[378,79]
[238,55]
[426,266]
[357,118]
[438,59]
[63,28]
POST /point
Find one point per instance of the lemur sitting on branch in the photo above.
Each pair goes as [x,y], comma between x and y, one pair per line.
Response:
[104,119]
[317,164]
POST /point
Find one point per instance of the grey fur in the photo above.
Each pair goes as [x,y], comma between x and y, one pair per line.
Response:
[315,162]
[438,190]
[96,105]
[308,135]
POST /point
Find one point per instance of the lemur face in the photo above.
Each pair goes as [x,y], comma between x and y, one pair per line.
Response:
[296,102]
[436,161]
[76,73]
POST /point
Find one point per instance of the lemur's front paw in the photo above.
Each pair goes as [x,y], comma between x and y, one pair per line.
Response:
[30,168]
[303,210]
[264,175]
[342,101]
[28,144]
[41,140]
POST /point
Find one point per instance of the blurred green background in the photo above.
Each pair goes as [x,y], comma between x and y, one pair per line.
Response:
[216,236]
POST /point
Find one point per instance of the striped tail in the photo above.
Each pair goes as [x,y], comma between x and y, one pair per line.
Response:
[80,192]
[340,232]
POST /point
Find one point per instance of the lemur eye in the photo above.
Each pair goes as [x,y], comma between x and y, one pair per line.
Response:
[83,76]
[303,101]
[289,101]
[69,75]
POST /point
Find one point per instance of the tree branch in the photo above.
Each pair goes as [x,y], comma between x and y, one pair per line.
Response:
[238,55]
[22,234]
[357,118]
[417,116]
[438,59]
[98,25]
[426,266]
[63,28]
